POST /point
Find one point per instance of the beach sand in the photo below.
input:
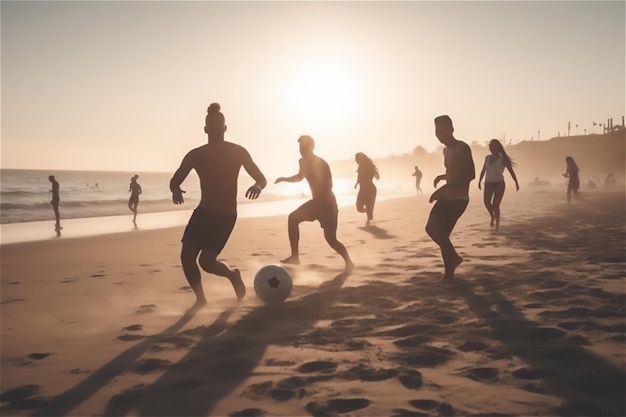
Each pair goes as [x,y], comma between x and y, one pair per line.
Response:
[533,325]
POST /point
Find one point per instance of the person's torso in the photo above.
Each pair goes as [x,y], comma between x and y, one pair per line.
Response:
[365,176]
[317,173]
[494,168]
[218,166]
[459,164]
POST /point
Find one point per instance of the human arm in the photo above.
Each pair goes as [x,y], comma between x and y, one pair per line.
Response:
[439,178]
[179,176]
[510,169]
[482,174]
[294,178]
[253,170]
[139,190]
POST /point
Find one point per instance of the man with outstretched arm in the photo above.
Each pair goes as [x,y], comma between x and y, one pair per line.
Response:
[321,207]
[217,164]
[451,199]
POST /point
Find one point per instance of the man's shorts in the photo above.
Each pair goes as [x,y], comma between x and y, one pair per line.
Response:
[209,230]
[446,212]
[326,213]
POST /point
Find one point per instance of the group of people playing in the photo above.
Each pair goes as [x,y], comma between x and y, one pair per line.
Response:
[218,163]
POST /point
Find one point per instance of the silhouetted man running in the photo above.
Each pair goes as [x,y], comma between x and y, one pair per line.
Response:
[217,164]
[453,198]
[321,207]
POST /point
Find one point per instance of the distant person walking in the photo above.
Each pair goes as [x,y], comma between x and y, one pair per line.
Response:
[418,179]
[451,199]
[55,202]
[366,197]
[493,172]
[322,206]
[217,164]
[571,172]
[133,201]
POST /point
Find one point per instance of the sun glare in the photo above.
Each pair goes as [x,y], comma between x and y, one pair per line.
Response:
[323,92]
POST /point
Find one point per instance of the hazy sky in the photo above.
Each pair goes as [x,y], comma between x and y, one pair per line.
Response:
[118,85]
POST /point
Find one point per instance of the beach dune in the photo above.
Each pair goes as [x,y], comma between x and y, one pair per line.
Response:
[533,325]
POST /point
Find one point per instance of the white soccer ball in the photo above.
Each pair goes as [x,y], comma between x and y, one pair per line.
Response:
[273,284]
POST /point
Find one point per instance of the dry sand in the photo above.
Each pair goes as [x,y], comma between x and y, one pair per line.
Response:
[534,324]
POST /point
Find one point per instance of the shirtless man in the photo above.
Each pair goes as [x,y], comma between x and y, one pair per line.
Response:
[321,207]
[217,164]
[453,197]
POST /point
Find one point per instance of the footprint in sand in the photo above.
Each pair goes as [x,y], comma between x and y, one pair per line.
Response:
[146,366]
[185,289]
[443,409]
[367,374]
[133,328]
[68,280]
[482,374]
[532,373]
[337,405]
[99,275]
[317,366]
[38,356]
[413,341]
[12,300]
[427,356]
[248,412]
[172,343]
[146,309]
[411,379]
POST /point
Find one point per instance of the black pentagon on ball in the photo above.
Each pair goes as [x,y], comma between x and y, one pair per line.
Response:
[273,282]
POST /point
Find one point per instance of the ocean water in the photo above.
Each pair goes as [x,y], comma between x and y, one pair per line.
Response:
[25,194]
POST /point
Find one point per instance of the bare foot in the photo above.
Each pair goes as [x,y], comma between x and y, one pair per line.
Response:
[238,285]
[197,306]
[292,260]
[451,267]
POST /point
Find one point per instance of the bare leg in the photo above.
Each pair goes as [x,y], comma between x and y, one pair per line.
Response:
[331,237]
[57,217]
[451,258]
[497,199]
[370,207]
[210,264]
[188,258]
[487,200]
[294,238]
[440,224]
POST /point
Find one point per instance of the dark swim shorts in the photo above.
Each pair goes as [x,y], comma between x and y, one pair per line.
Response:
[326,213]
[210,230]
[446,212]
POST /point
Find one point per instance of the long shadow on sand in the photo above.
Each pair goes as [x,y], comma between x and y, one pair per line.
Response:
[588,384]
[63,403]
[377,232]
[220,363]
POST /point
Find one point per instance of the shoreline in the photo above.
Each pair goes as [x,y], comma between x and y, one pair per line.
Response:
[12,233]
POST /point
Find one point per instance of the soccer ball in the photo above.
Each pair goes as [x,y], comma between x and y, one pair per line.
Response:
[273,284]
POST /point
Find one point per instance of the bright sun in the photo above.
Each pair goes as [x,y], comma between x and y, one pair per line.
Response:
[323,93]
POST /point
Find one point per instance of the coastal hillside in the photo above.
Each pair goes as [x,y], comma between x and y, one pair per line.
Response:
[596,155]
